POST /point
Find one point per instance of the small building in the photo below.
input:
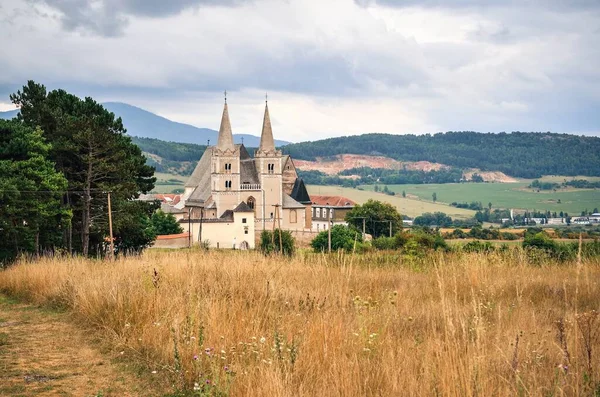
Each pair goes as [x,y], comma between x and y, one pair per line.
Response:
[327,209]
[233,229]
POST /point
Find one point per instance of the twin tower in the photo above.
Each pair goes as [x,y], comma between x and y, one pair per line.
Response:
[267,183]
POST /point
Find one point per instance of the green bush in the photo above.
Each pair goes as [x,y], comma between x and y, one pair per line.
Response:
[270,242]
[342,238]
[163,223]
[385,243]
[478,246]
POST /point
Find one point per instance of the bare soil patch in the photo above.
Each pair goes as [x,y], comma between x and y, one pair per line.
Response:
[43,354]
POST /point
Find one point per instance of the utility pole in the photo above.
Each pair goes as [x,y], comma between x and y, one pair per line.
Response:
[390,228]
[364,222]
[329,235]
[110,231]
[279,227]
[190,227]
[200,226]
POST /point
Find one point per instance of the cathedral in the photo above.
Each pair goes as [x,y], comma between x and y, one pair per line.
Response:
[231,195]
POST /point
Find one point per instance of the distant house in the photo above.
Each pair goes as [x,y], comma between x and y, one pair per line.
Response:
[327,209]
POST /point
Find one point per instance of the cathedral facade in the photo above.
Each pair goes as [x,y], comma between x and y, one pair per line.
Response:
[261,191]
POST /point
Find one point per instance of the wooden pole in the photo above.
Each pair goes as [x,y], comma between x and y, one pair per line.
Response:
[364,221]
[279,226]
[390,228]
[328,236]
[200,226]
[110,230]
[190,227]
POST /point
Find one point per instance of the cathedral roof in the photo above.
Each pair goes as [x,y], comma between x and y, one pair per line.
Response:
[200,180]
[225,140]
[248,173]
[299,192]
[289,202]
[267,143]
[242,207]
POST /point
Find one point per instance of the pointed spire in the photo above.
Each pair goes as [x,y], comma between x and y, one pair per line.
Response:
[266,138]
[225,140]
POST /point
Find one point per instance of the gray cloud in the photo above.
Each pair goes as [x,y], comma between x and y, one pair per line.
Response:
[544,4]
[110,17]
[437,68]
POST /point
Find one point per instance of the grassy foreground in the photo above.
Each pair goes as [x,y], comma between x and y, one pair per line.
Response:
[239,323]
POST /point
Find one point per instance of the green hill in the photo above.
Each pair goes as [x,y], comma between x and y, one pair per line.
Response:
[520,154]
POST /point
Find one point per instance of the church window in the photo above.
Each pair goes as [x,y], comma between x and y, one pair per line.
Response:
[228,167]
[251,203]
[227,184]
[293,216]
[271,168]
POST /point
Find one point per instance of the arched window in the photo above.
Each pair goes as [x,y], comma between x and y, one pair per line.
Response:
[227,184]
[293,216]
[271,168]
[227,167]
[251,202]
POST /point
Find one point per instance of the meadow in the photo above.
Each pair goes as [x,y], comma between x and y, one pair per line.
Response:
[166,183]
[504,195]
[406,206]
[239,323]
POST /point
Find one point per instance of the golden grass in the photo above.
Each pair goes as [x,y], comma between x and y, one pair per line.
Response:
[459,325]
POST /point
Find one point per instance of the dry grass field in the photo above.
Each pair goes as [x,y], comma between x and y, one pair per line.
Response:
[341,325]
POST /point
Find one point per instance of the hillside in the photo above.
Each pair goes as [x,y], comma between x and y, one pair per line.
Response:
[518,154]
[142,123]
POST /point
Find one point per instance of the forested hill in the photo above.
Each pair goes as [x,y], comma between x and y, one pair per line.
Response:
[520,154]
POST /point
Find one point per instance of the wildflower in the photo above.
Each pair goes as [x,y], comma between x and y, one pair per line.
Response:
[263,340]
[222,351]
[208,381]
[195,357]
[122,352]
[193,338]
[226,368]
[196,386]
[153,372]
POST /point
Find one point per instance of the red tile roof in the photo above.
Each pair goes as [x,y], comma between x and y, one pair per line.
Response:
[168,198]
[334,201]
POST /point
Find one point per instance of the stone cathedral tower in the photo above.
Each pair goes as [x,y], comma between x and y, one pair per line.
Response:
[227,178]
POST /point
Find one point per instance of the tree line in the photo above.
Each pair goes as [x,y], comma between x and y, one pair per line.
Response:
[520,154]
[59,159]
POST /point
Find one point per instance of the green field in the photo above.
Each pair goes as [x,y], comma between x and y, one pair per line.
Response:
[411,207]
[166,183]
[504,195]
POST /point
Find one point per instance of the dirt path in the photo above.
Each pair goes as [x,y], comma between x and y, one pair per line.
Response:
[42,354]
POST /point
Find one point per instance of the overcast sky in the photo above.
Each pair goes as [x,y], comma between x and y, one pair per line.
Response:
[330,67]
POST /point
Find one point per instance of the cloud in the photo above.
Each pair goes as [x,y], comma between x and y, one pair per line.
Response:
[546,4]
[423,68]
[110,17]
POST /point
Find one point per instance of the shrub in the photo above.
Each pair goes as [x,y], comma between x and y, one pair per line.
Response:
[270,243]
[163,223]
[478,246]
[385,243]
[342,238]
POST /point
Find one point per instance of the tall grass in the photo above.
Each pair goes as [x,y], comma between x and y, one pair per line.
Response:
[240,323]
